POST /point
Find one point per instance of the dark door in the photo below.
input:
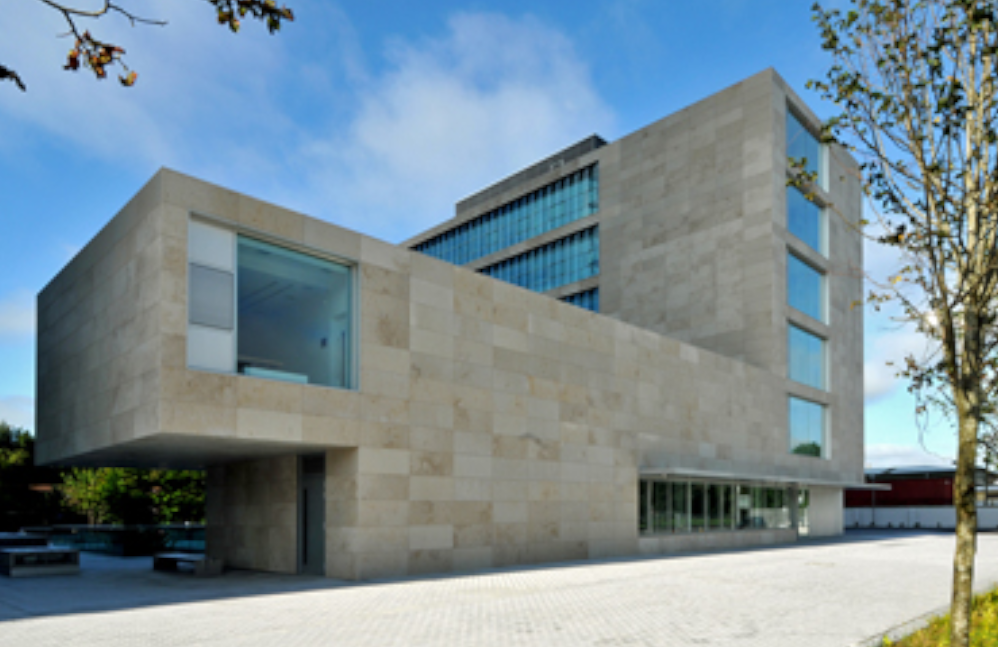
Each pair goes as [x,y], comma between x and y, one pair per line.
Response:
[312,515]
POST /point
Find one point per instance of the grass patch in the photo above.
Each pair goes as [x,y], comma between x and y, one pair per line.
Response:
[983,627]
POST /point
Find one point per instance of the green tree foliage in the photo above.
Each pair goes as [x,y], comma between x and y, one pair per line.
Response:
[32,496]
[808,449]
[90,53]
[123,495]
[84,491]
[177,495]
[914,81]
[15,446]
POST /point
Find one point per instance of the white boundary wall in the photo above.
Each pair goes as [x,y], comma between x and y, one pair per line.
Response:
[943,517]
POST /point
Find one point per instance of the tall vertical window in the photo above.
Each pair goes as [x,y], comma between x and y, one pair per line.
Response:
[267,311]
[807,427]
[801,144]
[643,522]
[806,358]
[698,507]
[719,501]
[679,512]
[660,507]
[805,288]
[211,297]
[805,220]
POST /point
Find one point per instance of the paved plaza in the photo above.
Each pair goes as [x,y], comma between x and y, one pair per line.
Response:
[821,594]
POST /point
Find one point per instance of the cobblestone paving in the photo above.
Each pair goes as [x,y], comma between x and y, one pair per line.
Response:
[818,594]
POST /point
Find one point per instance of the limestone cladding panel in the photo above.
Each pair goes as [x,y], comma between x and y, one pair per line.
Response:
[100,332]
[252,514]
[686,229]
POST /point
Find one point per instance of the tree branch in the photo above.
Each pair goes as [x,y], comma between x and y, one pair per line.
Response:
[96,55]
[68,12]
[7,74]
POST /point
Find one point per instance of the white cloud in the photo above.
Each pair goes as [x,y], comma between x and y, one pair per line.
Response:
[889,346]
[879,260]
[886,341]
[303,119]
[888,455]
[450,116]
[18,411]
[17,314]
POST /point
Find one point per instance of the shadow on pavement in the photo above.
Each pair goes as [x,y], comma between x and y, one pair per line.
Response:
[107,583]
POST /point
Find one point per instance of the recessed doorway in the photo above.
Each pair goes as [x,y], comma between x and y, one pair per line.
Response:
[312,514]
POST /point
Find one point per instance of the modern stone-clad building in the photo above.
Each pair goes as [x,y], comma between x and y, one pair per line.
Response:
[641,346]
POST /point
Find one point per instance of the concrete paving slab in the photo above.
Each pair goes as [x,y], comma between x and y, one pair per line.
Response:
[821,594]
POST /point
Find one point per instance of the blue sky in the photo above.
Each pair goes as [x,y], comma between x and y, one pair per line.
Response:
[374,115]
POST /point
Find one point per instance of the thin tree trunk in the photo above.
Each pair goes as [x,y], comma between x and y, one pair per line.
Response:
[966,531]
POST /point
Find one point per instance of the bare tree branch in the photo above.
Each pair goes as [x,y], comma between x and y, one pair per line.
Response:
[97,13]
[93,54]
[9,74]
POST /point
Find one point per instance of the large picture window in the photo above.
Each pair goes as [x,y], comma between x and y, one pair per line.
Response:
[294,315]
[267,311]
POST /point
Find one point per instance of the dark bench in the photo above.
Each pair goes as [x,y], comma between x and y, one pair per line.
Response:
[26,561]
[202,564]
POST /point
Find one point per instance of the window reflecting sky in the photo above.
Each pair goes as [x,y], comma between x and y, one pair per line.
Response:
[806,357]
[801,144]
[805,288]
[804,219]
[807,427]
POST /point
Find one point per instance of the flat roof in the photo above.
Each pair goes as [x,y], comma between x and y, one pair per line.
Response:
[682,472]
[915,470]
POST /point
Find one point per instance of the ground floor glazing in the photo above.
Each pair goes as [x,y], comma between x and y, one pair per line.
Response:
[690,506]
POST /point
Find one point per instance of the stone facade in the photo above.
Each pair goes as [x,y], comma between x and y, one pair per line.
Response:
[99,343]
[693,242]
[491,426]
[253,508]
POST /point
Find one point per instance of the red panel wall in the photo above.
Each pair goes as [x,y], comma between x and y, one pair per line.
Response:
[904,493]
